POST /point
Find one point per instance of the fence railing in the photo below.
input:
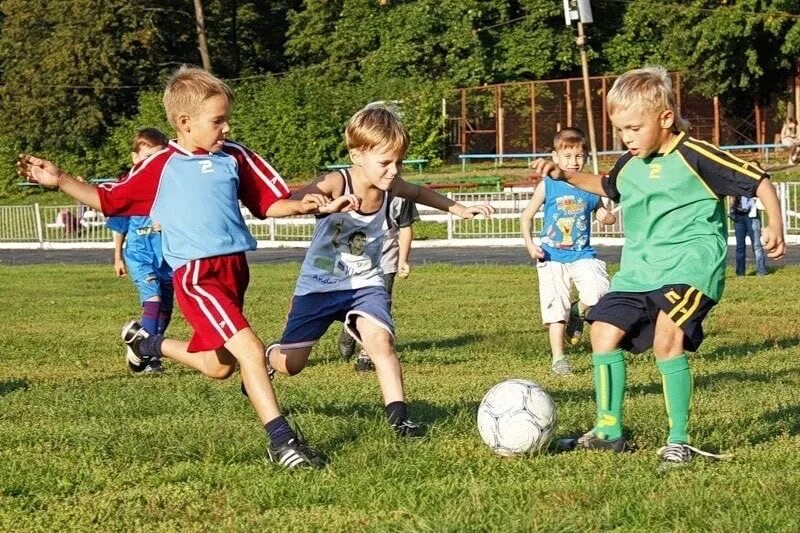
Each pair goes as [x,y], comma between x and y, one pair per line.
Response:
[35,226]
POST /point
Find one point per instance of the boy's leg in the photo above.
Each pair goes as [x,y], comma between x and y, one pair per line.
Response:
[591,280]
[754,229]
[676,377]
[610,375]
[555,333]
[363,362]
[288,361]
[740,229]
[166,307]
[554,289]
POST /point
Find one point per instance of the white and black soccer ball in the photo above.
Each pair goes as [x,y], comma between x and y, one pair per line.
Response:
[516,417]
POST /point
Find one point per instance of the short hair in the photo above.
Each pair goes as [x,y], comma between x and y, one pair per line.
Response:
[151,136]
[570,138]
[376,126]
[646,89]
[188,88]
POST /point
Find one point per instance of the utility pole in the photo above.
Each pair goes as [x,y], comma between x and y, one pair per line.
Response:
[581,11]
[202,43]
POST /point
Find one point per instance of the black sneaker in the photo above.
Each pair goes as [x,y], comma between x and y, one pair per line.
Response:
[347,345]
[574,329]
[363,364]
[676,455]
[407,428]
[590,441]
[133,334]
[296,454]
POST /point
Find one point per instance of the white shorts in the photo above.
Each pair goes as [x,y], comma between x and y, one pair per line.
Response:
[789,142]
[555,286]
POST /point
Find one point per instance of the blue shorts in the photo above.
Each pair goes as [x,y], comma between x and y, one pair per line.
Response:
[312,314]
[149,280]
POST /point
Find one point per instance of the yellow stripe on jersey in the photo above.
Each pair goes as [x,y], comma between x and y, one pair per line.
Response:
[683,303]
[696,175]
[725,159]
[691,310]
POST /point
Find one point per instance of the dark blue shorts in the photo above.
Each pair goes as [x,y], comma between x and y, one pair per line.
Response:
[312,314]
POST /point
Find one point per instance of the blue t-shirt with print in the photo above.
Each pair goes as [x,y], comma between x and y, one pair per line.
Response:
[567,220]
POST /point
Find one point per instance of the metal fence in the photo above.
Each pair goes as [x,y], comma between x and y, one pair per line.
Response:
[35,226]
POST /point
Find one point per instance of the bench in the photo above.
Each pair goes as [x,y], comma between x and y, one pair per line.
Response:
[420,163]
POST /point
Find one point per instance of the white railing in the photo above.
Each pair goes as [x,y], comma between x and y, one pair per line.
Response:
[35,226]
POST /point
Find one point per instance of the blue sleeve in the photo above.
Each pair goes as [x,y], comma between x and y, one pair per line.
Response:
[118,224]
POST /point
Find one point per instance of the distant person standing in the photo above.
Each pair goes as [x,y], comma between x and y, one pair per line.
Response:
[790,140]
[747,223]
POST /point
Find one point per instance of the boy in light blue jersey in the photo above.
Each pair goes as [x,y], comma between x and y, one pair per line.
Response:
[565,255]
[143,260]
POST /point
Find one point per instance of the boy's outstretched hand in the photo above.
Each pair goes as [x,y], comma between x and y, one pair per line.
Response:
[772,242]
[546,167]
[342,204]
[471,211]
[38,170]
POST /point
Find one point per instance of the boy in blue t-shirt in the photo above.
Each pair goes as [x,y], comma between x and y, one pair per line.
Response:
[143,258]
[565,256]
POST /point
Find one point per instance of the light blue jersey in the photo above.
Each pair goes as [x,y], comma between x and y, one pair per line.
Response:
[567,222]
[195,197]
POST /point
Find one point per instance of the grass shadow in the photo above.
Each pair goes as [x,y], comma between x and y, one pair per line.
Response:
[13,385]
[447,342]
[747,348]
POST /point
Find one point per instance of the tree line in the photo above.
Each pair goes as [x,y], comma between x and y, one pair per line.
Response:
[78,76]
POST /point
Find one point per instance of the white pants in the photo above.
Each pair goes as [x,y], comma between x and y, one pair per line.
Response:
[555,286]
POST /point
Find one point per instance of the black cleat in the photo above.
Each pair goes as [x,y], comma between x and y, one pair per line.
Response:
[407,428]
[590,441]
[346,345]
[574,329]
[676,455]
[296,454]
[133,334]
[363,364]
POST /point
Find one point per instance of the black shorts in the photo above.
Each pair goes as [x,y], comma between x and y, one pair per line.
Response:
[635,313]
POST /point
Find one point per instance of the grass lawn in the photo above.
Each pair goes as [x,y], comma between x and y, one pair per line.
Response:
[86,446]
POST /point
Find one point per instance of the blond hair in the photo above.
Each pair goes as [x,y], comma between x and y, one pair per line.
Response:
[646,89]
[376,126]
[570,138]
[149,136]
[188,88]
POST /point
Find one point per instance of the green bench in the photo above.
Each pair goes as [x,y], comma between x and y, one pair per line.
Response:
[420,163]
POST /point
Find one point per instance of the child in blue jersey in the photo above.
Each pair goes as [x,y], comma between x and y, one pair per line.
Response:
[341,277]
[193,188]
[565,256]
[143,259]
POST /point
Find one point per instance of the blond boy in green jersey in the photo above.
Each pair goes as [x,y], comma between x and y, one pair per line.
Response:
[671,189]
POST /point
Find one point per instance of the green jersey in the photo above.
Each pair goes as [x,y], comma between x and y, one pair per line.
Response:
[674,216]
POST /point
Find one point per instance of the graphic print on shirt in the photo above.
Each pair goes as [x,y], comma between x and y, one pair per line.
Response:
[568,225]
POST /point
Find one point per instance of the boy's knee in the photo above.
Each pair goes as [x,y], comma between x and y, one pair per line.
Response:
[220,372]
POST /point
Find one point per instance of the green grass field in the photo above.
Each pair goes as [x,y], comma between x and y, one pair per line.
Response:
[86,446]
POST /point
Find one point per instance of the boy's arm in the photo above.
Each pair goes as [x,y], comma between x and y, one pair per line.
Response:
[323,195]
[429,197]
[604,215]
[404,238]
[46,174]
[588,182]
[119,262]
[772,233]
[526,221]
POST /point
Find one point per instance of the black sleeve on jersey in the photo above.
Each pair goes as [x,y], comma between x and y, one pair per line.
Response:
[725,174]
[610,182]
[408,214]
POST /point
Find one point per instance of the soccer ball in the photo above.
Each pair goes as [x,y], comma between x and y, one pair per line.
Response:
[516,417]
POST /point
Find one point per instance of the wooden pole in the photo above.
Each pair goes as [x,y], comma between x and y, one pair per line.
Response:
[716,133]
[587,96]
[569,104]
[533,118]
[605,116]
[463,121]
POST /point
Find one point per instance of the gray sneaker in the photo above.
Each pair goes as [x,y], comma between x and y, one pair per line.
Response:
[676,455]
[561,368]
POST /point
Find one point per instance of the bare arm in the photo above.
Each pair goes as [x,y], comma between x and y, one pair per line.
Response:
[588,182]
[319,196]
[46,174]
[429,197]
[119,262]
[404,238]
[772,233]
[604,215]
[526,222]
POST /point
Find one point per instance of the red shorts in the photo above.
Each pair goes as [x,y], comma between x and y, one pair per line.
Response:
[210,294]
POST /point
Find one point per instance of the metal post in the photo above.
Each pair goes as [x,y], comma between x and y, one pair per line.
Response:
[272,228]
[588,96]
[39,230]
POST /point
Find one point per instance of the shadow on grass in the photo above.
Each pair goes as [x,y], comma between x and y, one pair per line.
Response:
[7,387]
[446,342]
[748,348]
[786,418]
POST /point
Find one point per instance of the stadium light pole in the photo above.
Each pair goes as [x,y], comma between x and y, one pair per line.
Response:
[581,11]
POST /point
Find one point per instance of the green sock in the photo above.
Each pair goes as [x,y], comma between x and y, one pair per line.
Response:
[676,379]
[609,392]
